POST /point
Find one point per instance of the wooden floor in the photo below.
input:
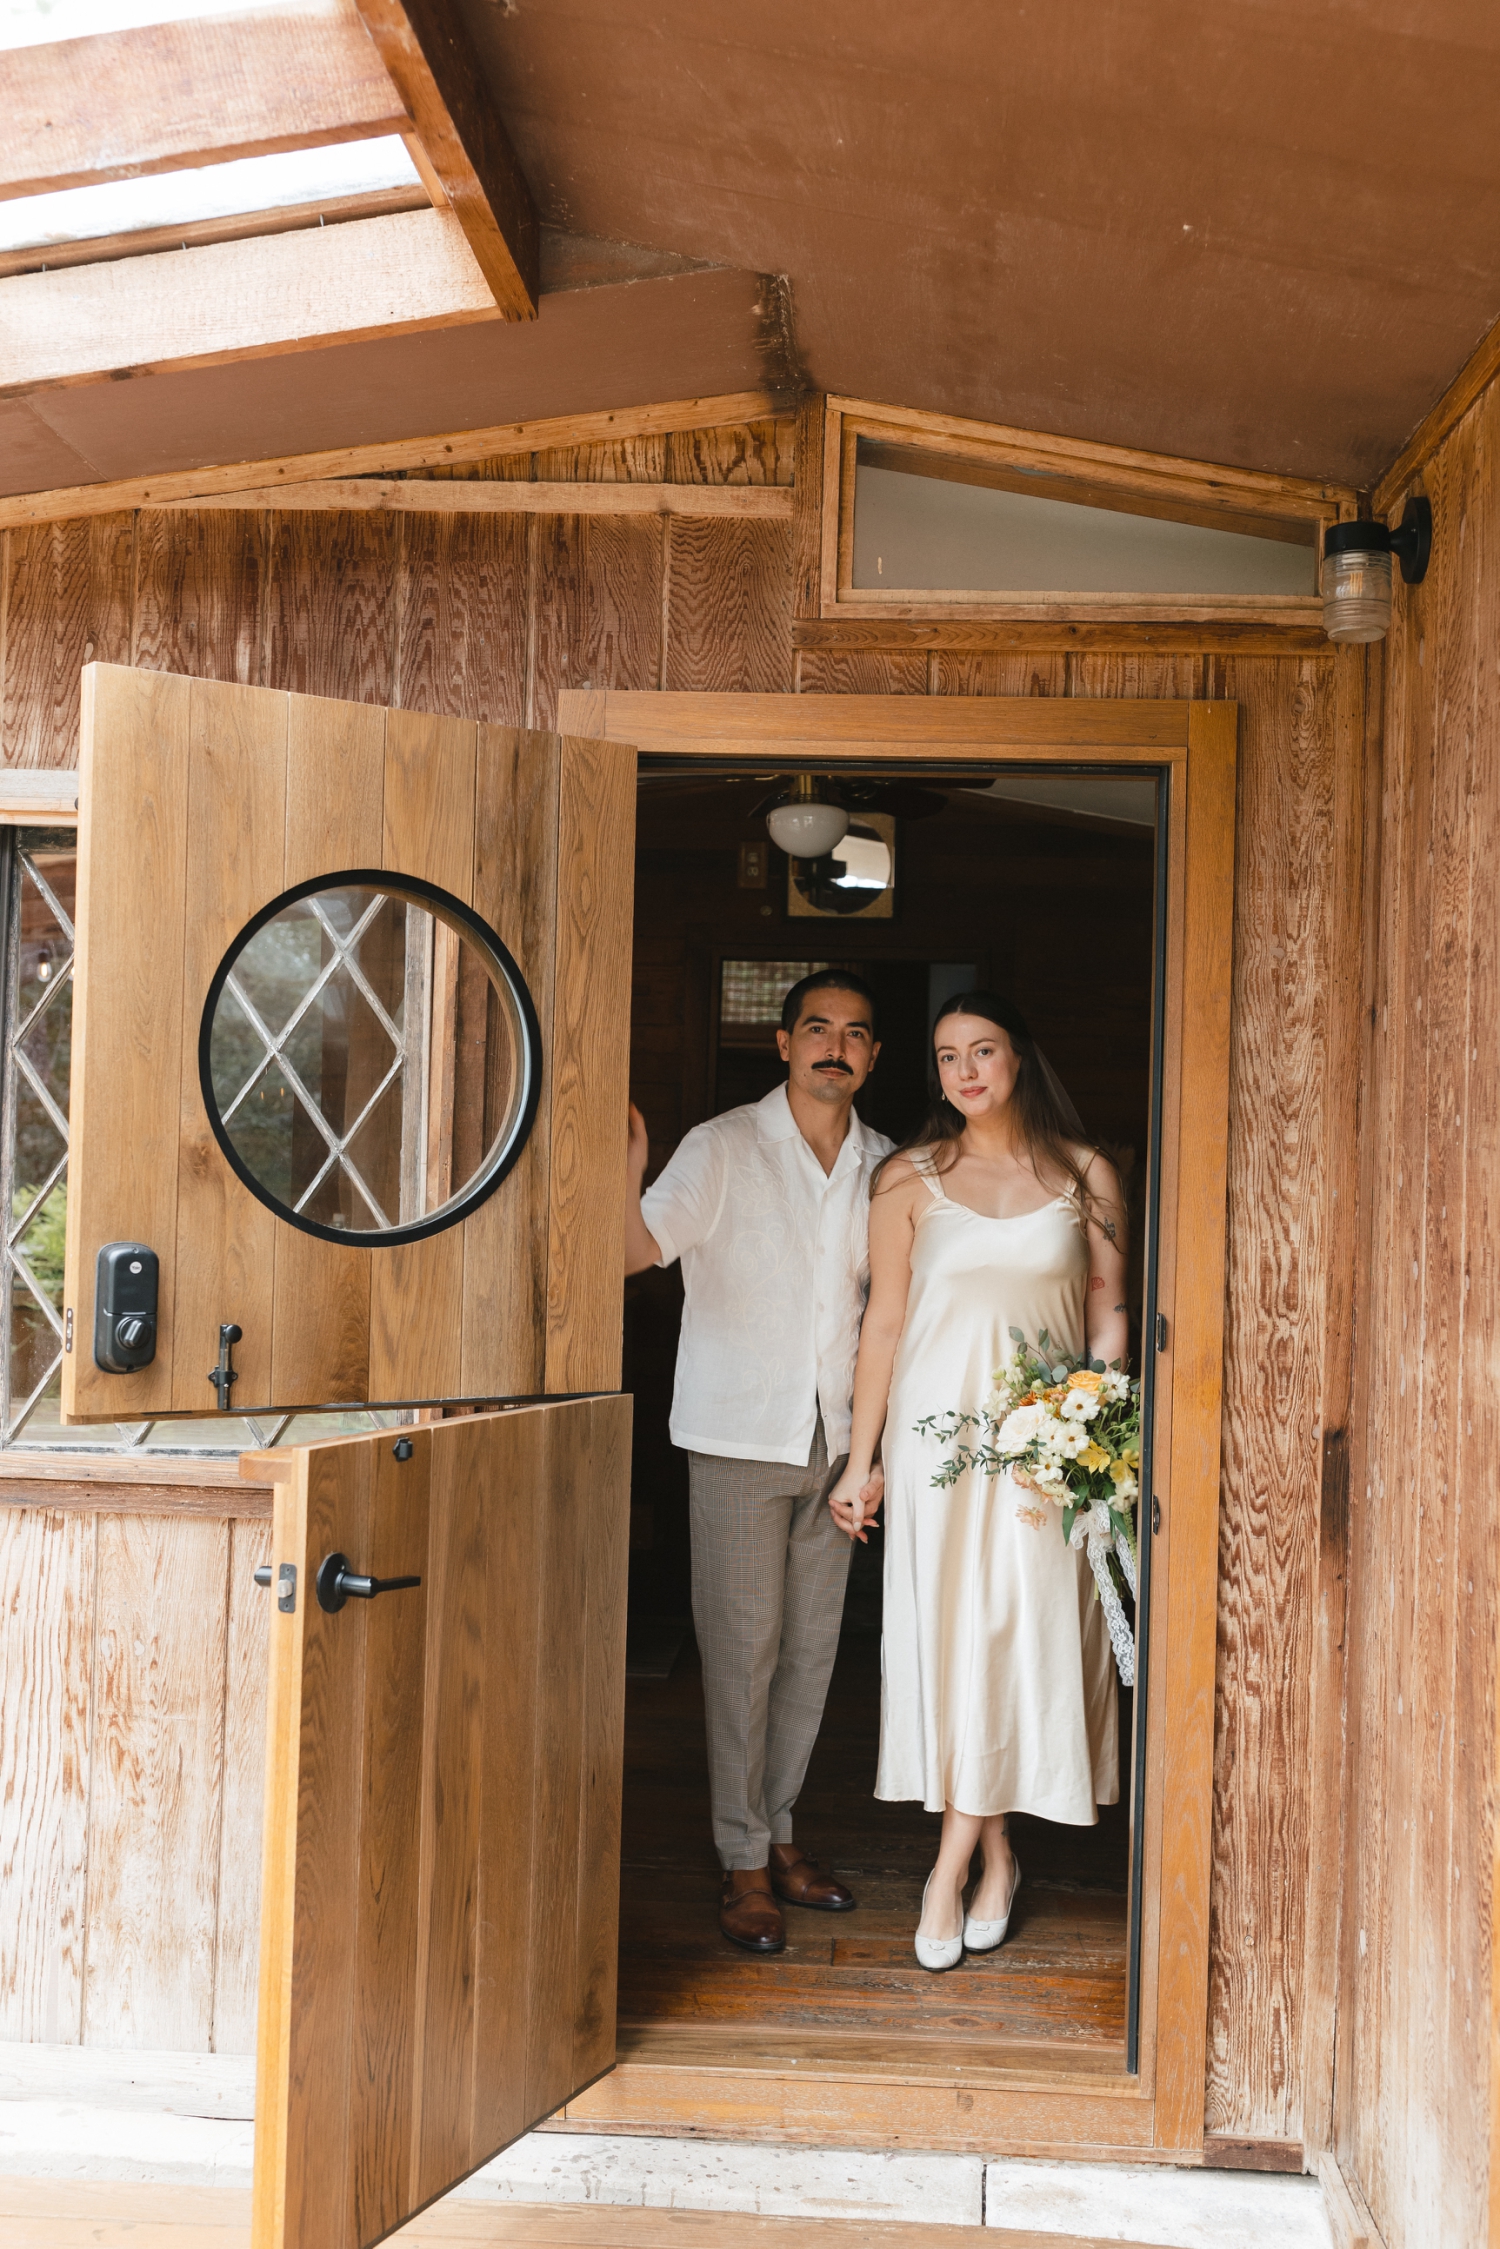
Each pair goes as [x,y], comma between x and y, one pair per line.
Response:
[1060,1977]
[41,2214]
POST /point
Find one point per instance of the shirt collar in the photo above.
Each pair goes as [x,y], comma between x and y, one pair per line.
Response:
[774,1121]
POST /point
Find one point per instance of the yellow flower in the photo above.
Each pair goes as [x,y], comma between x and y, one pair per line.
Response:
[1093,1456]
[1093,1383]
[1121,1469]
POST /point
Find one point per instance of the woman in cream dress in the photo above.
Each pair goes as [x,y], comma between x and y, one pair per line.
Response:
[998,1682]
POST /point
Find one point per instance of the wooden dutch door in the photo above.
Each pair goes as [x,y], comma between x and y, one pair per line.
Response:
[349,1083]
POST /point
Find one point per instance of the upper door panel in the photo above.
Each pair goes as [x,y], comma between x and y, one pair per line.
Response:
[362,1067]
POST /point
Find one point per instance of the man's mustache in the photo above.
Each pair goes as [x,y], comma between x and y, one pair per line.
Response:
[833,1063]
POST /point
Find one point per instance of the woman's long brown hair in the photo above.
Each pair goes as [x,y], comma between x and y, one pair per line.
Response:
[1045,1132]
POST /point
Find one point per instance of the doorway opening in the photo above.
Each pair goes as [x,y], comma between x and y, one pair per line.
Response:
[1047,888]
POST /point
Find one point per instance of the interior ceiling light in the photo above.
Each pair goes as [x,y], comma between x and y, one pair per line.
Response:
[808,822]
[1355,579]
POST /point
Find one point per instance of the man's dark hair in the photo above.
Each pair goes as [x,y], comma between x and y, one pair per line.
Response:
[828,980]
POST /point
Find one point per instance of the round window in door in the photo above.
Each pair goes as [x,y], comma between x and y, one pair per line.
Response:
[370,1058]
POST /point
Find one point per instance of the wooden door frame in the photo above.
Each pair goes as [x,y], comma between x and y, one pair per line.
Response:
[739,2084]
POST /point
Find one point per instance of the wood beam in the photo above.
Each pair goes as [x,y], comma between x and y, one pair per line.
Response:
[445,449]
[238,300]
[473,496]
[1162,636]
[286,218]
[200,92]
[430,57]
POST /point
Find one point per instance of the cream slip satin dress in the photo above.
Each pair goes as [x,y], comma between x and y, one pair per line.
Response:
[998,1689]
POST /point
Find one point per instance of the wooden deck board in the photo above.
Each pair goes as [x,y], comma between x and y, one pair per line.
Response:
[68,2214]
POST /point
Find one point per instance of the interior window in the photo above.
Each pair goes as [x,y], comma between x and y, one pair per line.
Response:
[928,523]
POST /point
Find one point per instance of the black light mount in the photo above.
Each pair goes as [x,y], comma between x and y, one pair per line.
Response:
[1410,542]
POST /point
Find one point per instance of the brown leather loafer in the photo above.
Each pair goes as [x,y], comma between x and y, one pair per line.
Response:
[796,1878]
[748,1914]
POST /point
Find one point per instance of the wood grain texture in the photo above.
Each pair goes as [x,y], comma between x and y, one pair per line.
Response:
[47,1601]
[67,600]
[867,671]
[58,2214]
[223,301]
[985,671]
[727,606]
[597,608]
[750,454]
[603,1474]
[156,1776]
[591,1065]
[187,93]
[334,818]
[434,1774]
[331,607]
[235,850]
[442,450]
[1281,1188]
[416,1288]
[515,889]
[1195,1369]
[1415,2093]
[237,1937]
[200,593]
[463,618]
[127,1027]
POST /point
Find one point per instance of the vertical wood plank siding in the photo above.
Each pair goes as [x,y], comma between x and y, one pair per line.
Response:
[1414,2071]
[490,617]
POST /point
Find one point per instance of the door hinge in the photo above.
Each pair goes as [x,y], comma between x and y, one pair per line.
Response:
[68,1329]
[1155,1514]
[1161,1331]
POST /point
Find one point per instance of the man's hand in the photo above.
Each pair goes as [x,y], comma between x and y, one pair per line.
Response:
[638,1150]
[855,1501]
[640,1244]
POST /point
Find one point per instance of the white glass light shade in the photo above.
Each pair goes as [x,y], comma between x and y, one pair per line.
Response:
[1356,590]
[807,831]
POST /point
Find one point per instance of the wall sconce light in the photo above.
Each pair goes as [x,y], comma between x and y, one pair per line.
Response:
[1355,579]
[807,821]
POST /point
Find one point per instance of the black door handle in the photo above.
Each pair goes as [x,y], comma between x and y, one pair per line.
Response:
[337,1583]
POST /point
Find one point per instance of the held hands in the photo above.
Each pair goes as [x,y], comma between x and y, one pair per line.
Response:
[855,1501]
[638,1149]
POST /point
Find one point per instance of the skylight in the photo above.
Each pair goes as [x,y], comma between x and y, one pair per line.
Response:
[303,177]
[39,23]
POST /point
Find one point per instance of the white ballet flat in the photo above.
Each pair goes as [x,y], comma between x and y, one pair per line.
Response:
[937,1953]
[986,1936]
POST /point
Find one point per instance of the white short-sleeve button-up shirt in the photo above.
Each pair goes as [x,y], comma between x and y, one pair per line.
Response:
[776,1269]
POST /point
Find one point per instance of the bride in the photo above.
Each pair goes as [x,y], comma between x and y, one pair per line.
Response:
[997,1680]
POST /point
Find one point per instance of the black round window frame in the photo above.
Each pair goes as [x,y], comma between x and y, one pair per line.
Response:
[452,910]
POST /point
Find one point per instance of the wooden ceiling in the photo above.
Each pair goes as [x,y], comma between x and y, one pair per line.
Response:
[1259,233]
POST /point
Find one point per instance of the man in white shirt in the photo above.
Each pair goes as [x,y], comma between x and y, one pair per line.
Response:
[768,1209]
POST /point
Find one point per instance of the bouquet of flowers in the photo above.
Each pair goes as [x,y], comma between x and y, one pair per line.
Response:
[1069,1430]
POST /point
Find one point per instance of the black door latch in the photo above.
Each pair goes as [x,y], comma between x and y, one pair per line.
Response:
[336,1583]
[226,1374]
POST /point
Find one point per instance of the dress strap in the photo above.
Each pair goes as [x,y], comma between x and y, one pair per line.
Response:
[926,1170]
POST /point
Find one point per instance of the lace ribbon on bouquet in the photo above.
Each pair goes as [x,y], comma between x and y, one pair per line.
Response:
[1093,1531]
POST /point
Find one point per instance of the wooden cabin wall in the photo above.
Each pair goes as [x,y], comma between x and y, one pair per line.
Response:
[1417,1998]
[132,1719]
[492,615]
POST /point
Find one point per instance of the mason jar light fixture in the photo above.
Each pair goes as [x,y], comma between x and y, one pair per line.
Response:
[1355,577]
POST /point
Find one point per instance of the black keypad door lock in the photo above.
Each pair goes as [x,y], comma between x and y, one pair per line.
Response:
[125,1289]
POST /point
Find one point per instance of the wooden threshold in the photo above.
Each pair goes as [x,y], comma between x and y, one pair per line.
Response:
[904,2060]
[64,2214]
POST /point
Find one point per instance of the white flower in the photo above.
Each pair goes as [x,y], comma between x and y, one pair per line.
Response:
[1072,1441]
[1080,1405]
[1019,1429]
[1125,1490]
[1116,1385]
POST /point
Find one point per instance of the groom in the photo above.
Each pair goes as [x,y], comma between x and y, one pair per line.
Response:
[767,1207]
